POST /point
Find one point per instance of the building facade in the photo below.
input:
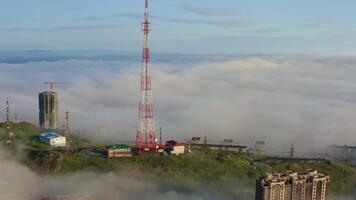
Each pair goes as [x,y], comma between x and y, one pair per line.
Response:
[293,186]
[48,106]
[53,139]
[342,153]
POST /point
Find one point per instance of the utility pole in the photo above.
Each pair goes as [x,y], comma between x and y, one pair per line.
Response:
[160,135]
[67,133]
[10,135]
[292,151]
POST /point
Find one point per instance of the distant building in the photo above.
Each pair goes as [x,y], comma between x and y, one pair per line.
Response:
[239,149]
[196,140]
[226,145]
[342,153]
[260,146]
[119,151]
[48,105]
[53,139]
[228,141]
[293,186]
[174,147]
[277,160]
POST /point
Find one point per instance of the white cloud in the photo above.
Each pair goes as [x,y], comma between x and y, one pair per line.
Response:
[305,100]
[252,63]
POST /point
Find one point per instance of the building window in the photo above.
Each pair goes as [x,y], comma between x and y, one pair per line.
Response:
[299,191]
[319,190]
[277,192]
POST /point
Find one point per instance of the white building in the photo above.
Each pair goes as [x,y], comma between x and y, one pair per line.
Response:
[178,150]
[53,139]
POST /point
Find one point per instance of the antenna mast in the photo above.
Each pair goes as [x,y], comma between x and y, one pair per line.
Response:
[146,137]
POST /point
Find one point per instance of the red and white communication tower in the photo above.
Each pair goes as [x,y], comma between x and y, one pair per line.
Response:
[146,137]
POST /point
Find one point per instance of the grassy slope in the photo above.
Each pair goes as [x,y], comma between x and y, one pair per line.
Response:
[210,169]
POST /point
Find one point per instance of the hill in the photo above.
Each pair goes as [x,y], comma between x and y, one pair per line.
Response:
[233,175]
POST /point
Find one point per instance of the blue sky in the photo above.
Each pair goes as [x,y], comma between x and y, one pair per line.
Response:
[182,26]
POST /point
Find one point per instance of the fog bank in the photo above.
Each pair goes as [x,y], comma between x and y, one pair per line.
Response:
[17,182]
[309,101]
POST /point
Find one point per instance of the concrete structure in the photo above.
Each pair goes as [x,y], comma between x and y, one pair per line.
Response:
[48,105]
[342,153]
[293,186]
[53,139]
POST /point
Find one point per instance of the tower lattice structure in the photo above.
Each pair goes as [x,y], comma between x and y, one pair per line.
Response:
[146,136]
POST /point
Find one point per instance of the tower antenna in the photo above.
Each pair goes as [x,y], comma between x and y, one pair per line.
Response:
[146,137]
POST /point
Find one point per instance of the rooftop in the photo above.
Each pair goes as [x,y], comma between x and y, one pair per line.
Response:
[50,135]
[291,175]
[118,146]
[342,147]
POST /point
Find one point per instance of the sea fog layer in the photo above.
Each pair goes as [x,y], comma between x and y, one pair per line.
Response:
[305,100]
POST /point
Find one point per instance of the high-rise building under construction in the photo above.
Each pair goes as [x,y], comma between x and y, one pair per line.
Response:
[48,104]
[293,186]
